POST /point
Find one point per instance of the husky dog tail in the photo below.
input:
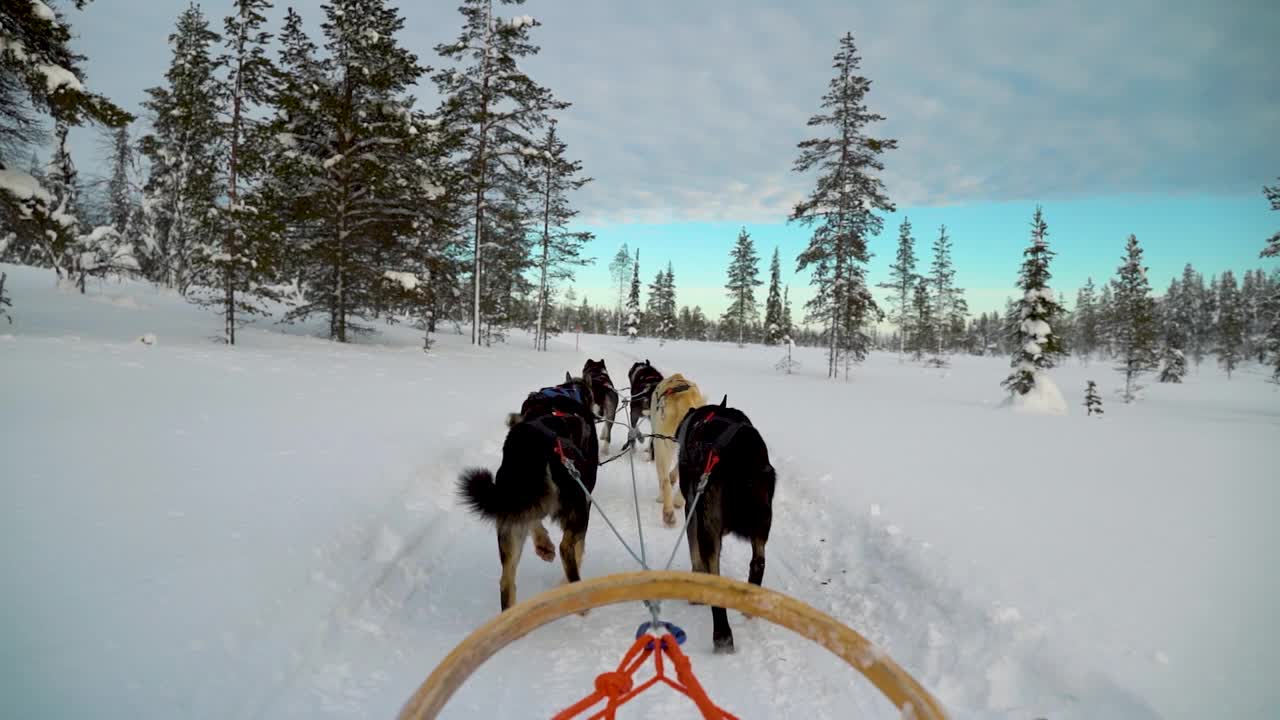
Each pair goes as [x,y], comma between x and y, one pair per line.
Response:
[523,484]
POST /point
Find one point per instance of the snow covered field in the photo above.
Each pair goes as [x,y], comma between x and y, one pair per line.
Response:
[197,531]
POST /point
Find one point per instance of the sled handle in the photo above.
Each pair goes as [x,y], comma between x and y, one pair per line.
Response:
[900,688]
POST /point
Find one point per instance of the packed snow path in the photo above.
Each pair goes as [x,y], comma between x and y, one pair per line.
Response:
[270,530]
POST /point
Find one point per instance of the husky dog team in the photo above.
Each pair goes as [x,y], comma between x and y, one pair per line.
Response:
[556,429]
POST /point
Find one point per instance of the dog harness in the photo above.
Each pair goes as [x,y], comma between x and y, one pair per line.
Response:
[715,445]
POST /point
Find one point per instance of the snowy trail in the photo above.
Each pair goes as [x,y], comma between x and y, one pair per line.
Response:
[270,531]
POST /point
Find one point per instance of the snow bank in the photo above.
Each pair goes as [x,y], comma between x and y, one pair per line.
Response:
[1044,399]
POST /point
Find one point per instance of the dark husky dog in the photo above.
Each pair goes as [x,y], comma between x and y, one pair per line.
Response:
[721,442]
[604,398]
[532,482]
[644,377]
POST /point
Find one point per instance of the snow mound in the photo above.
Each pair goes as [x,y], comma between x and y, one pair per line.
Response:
[1044,398]
[148,339]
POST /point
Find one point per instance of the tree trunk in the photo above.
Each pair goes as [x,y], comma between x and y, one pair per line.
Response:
[481,166]
[229,299]
[540,339]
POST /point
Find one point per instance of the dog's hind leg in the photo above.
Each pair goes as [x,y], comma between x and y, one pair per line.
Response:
[572,546]
[756,575]
[511,538]
[542,543]
[721,635]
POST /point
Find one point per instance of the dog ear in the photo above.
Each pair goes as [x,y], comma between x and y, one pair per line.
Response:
[646,362]
[724,401]
[567,377]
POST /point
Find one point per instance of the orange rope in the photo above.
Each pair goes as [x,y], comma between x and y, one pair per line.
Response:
[618,687]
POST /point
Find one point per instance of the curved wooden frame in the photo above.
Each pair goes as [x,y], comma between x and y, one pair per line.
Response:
[899,687]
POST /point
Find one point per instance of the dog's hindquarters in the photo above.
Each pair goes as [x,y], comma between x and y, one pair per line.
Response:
[516,500]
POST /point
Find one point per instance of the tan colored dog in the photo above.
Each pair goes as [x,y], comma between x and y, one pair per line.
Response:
[674,396]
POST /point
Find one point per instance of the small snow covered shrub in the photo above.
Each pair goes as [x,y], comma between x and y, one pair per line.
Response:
[1092,401]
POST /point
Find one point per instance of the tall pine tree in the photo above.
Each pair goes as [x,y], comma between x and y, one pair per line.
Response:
[1035,344]
[347,143]
[620,271]
[947,298]
[743,278]
[234,263]
[773,330]
[1086,325]
[633,301]
[1174,323]
[1230,323]
[842,207]
[560,249]
[902,285]
[496,108]
[1134,326]
[921,325]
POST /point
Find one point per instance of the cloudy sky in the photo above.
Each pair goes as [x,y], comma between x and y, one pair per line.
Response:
[1157,118]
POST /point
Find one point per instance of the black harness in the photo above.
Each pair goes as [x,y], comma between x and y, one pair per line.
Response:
[717,444]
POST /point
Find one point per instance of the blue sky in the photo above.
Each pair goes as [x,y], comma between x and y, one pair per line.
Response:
[1155,117]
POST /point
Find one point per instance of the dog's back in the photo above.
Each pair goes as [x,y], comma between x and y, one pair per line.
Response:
[672,398]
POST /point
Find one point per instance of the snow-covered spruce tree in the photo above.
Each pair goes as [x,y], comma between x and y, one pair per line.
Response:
[921,325]
[670,318]
[40,75]
[660,310]
[632,309]
[842,207]
[63,183]
[1092,401]
[495,106]
[559,249]
[1190,301]
[743,278]
[184,149]
[773,330]
[1134,326]
[941,282]
[1174,326]
[1105,313]
[1086,335]
[902,285]
[122,204]
[344,172]
[1230,323]
[1036,346]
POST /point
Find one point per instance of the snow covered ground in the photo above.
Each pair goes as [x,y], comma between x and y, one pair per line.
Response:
[197,531]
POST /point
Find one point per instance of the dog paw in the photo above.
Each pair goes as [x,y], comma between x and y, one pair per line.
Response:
[669,518]
[724,646]
[545,552]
